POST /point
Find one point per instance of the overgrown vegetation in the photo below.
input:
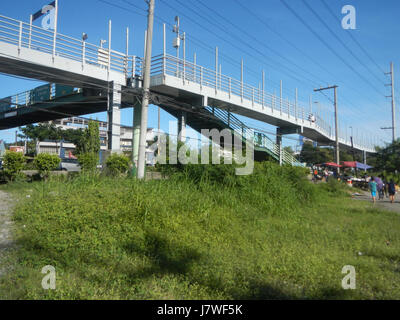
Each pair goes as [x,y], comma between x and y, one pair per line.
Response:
[45,163]
[88,147]
[117,164]
[204,233]
[386,162]
[13,163]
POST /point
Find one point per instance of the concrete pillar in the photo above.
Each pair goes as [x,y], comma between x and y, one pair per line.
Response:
[182,126]
[137,116]
[279,143]
[114,118]
[365,159]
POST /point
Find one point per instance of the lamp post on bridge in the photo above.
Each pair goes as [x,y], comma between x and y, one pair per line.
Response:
[337,156]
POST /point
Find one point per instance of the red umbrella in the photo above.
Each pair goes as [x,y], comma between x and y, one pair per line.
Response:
[332,164]
[349,164]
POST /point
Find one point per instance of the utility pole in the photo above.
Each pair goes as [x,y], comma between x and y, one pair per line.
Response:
[393,127]
[337,156]
[146,92]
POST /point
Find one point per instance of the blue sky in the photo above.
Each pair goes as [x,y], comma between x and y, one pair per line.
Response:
[267,35]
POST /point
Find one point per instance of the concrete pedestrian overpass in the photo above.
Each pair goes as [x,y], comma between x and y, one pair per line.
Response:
[96,79]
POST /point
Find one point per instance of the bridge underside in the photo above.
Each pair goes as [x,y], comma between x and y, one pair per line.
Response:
[73,105]
[49,74]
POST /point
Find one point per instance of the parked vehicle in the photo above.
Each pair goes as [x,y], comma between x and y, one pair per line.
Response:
[70,165]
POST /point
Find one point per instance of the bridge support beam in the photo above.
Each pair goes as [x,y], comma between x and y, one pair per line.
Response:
[137,116]
[365,158]
[182,126]
[114,118]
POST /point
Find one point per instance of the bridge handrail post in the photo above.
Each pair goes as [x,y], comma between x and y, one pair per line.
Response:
[201,77]
[83,53]
[20,37]
[133,66]
[272,103]
[164,64]
[252,97]
[230,87]
[30,32]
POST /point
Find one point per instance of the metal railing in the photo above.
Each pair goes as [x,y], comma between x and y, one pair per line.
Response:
[260,139]
[24,35]
[30,97]
[189,72]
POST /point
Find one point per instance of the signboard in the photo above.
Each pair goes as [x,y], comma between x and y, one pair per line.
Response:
[62,90]
[41,93]
[5,104]
[102,57]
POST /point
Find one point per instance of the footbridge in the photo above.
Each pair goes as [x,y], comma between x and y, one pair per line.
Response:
[84,78]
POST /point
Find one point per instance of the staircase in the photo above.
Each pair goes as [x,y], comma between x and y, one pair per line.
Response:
[215,118]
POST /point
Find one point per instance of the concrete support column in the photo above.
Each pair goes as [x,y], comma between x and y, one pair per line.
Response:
[114,118]
[279,143]
[365,159]
[137,116]
[182,126]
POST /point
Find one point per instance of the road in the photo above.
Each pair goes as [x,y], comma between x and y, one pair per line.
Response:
[6,242]
[383,204]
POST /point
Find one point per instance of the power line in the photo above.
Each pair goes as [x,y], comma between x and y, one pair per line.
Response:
[256,40]
[352,37]
[344,45]
[238,47]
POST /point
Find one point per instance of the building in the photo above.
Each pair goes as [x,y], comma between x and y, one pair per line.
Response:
[66,149]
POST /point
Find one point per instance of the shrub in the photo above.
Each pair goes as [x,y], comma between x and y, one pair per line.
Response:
[88,161]
[117,164]
[13,164]
[45,163]
[335,187]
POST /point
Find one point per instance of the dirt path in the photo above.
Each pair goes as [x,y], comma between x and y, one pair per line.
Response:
[382,204]
[6,242]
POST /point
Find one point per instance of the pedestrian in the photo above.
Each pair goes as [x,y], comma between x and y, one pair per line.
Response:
[386,188]
[392,190]
[315,175]
[381,187]
[373,187]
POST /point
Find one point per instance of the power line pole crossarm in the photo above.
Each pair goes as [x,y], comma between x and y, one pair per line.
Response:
[146,92]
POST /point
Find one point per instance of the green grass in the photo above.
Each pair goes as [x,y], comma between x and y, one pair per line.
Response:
[202,234]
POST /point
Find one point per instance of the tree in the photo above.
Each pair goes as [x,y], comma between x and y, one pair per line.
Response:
[89,142]
[315,155]
[45,131]
[88,146]
[45,163]
[289,150]
[13,163]
[387,159]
